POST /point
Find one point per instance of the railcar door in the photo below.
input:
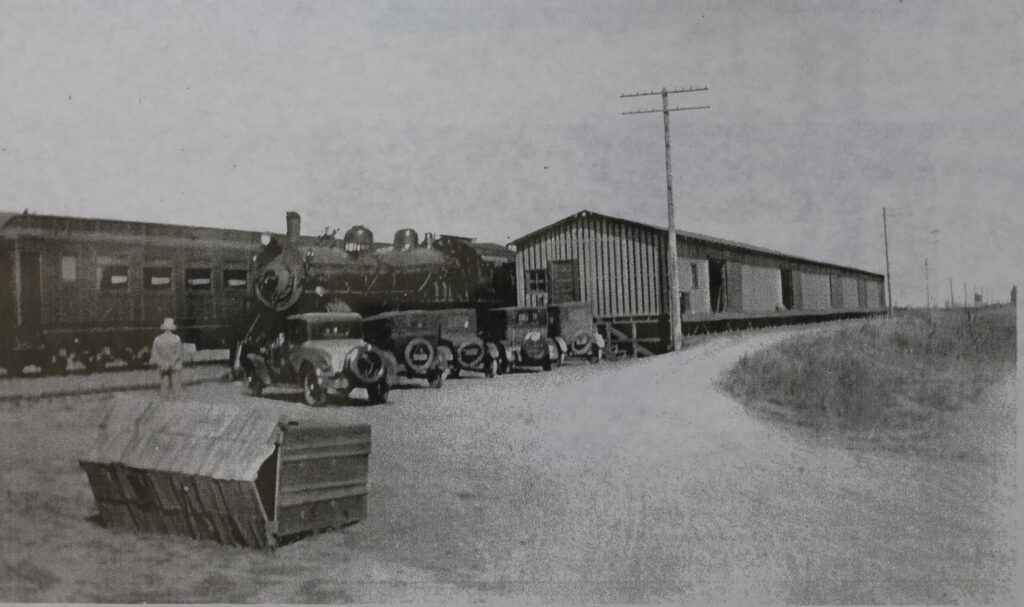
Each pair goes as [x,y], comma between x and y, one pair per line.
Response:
[30,288]
[115,292]
[200,305]
[234,288]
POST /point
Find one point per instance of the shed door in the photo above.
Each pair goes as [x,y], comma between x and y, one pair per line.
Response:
[563,281]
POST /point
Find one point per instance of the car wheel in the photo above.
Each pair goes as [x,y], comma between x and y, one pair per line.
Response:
[313,389]
[378,392]
[253,383]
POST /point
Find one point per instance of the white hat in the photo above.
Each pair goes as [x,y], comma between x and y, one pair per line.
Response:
[168,325]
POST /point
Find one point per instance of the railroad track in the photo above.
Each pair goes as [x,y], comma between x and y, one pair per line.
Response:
[28,388]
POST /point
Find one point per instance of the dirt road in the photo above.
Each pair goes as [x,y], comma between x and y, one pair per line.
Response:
[625,482]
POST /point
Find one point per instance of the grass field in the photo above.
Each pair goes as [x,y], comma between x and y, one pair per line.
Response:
[903,378]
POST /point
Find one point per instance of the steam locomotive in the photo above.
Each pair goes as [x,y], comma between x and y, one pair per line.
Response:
[297,273]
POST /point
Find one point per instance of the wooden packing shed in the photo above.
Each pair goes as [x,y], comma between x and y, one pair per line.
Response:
[619,267]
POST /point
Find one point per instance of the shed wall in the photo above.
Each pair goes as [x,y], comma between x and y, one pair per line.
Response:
[619,266]
[620,269]
[850,300]
[873,289]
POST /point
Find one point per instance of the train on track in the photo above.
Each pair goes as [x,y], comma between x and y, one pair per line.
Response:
[88,292]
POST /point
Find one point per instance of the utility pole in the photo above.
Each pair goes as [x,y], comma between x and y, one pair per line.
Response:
[965,295]
[952,304]
[675,317]
[888,279]
[927,289]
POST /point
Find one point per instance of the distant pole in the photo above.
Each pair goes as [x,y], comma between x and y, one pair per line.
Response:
[965,294]
[927,289]
[952,303]
[675,315]
[888,279]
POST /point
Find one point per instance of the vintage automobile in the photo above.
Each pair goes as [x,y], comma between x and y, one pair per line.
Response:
[322,351]
[458,334]
[520,334]
[411,336]
[572,327]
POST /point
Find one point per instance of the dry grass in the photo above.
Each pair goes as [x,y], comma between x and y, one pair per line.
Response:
[898,377]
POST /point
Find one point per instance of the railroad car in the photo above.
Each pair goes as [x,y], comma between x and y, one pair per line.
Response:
[95,290]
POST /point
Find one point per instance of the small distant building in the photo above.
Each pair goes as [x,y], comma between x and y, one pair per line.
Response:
[619,267]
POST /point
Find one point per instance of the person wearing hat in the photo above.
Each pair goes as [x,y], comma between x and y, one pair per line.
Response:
[167,354]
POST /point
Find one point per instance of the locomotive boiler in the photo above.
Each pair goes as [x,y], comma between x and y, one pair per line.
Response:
[298,273]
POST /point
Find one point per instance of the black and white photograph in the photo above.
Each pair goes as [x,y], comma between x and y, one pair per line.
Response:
[514,301]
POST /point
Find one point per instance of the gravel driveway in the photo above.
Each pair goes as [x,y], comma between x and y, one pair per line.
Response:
[635,481]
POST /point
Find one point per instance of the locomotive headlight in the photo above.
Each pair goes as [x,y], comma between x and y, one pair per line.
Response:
[319,291]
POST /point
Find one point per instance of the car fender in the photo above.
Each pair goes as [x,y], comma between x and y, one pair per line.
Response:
[492,350]
[563,347]
[390,365]
[259,367]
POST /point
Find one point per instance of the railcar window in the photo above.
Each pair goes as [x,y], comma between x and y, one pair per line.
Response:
[537,280]
[69,268]
[235,279]
[113,277]
[198,279]
[156,278]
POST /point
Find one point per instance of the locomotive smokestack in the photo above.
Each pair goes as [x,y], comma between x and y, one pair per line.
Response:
[294,225]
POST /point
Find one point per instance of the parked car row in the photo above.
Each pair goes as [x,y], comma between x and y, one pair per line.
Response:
[341,351]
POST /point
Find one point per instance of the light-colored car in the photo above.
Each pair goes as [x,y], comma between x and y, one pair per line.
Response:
[322,351]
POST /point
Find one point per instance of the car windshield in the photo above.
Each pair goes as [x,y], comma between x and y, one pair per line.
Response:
[335,330]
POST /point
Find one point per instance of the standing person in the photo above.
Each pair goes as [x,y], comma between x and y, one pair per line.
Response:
[167,354]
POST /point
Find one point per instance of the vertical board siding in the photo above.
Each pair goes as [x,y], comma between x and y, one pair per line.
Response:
[521,277]
[815,295]
[621,272]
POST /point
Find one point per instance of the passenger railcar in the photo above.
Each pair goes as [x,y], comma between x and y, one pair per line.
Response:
[95,290]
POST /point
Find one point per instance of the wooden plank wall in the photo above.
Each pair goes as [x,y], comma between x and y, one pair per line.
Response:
[622,269]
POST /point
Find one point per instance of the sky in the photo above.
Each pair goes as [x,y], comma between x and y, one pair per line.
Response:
[492,119]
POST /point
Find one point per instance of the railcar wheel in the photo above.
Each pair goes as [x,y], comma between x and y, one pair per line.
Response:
[378,392]
[313,389]
[55,365]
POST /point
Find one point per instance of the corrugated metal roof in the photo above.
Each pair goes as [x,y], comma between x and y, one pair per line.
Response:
[220,441]
[691,236]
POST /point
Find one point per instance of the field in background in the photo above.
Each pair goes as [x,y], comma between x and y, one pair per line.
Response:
[902,382]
